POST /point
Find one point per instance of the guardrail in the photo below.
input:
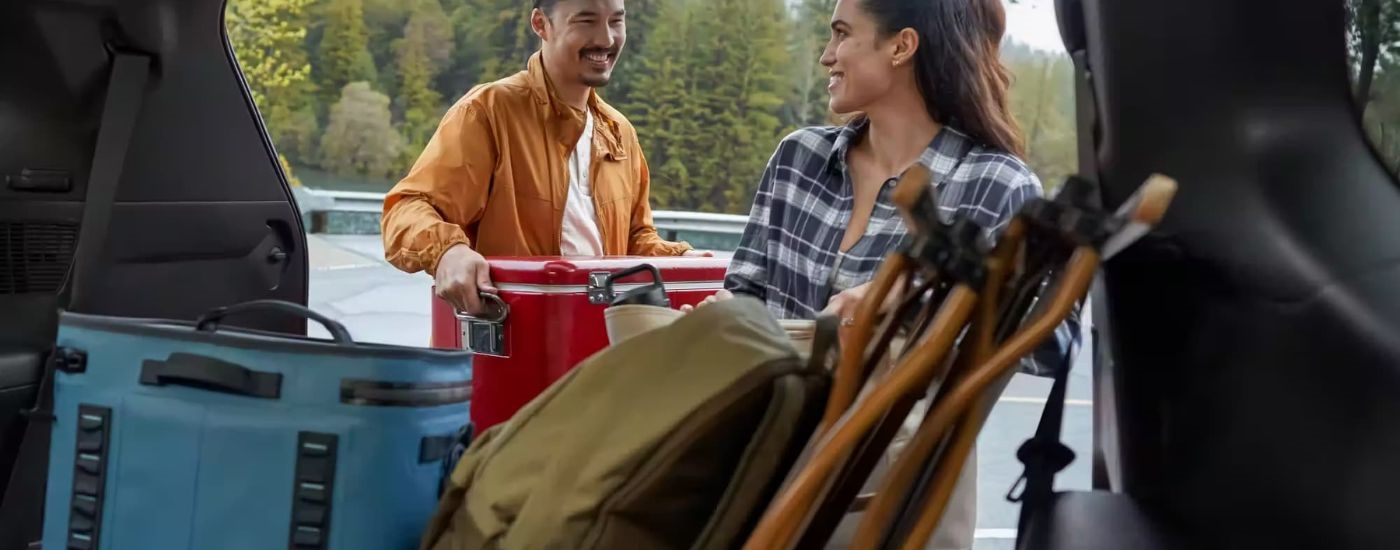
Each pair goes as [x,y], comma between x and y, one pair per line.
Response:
[357,212]
[346,212]
[324,200]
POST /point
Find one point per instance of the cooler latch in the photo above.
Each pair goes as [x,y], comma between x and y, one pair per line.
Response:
[601,288]
[486,334]
[598,291]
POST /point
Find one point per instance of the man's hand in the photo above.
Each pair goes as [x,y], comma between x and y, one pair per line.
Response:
[461,275]
[698,253]
[721,295]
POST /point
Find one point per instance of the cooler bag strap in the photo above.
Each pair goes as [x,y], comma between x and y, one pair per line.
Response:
[23,503]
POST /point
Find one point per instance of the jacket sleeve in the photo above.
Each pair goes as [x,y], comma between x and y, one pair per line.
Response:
[643,239]
[444,192]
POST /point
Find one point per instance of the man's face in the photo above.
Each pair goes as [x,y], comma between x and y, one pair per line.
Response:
[581,40]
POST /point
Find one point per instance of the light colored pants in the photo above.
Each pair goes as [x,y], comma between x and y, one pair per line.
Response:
[959,523]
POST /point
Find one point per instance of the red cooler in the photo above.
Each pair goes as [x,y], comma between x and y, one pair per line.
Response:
[553,320]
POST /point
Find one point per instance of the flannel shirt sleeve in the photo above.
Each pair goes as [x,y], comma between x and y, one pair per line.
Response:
[1054,352]
[748,269]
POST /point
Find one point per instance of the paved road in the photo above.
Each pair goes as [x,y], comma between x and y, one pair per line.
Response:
[377,303]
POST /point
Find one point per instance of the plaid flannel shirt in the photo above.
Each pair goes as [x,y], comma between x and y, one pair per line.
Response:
[791,243]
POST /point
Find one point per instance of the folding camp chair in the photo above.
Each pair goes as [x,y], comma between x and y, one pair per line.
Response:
[974,281]
[958,254]
[921,502]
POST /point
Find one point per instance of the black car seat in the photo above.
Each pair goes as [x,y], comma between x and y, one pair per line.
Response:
[1248,382]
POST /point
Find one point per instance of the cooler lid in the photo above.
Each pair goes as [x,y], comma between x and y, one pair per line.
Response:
[559,274]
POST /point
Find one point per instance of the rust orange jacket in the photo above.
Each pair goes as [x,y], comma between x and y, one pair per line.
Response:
[494,176]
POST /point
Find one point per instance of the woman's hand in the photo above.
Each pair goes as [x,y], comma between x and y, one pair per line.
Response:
[845,303]
[721,295]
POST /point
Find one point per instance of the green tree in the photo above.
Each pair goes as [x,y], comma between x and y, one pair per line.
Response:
[665,111]
[430,25]
[709,91]
[1381,118]
[711,85]
[1373,33]
[360,138]
[740,73]
[1042,101]
[421,102]
[343,54]
[423,51]
[1373,29]
[299,140]
[642,22]
[384,26]
[266,37]
[463,68]
[494,40]
[807,105]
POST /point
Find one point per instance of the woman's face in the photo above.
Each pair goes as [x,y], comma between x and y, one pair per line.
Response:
[862,67]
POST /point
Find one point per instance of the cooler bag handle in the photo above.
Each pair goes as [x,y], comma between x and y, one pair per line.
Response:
[209,322]
[208,373]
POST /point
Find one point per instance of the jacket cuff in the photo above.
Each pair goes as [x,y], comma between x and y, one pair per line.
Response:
[439,249]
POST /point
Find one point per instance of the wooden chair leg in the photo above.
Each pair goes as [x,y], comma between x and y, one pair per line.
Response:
[789,511]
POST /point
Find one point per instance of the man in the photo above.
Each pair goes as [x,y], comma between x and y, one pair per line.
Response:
[532,164]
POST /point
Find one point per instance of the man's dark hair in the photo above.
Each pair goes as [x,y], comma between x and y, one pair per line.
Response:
[547,6]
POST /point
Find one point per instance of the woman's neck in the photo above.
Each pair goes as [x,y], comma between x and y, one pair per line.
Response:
[896,136]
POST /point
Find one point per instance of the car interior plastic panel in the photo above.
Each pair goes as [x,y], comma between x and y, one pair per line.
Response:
[1253,387]
[203,216]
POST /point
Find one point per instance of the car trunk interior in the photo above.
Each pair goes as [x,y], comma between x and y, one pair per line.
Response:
[1247,377]
[147,191]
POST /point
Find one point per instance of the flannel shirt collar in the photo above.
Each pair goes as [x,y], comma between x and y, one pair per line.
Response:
[941,156]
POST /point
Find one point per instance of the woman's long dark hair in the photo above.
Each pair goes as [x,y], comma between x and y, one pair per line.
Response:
[958,64]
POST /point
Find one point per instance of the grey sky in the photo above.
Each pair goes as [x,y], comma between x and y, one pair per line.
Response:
[1031,22]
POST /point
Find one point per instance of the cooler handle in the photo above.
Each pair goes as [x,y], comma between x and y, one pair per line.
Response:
[655,276]
[209,322]
[499,309]
[208,373]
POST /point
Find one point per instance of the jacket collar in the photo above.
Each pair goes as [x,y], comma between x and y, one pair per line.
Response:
[542,88]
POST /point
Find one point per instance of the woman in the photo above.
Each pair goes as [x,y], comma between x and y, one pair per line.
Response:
[928,87]
[923,83]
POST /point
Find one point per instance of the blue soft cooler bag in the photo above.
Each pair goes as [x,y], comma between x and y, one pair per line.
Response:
[196,437]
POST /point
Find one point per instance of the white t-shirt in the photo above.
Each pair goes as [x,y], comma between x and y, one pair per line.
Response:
[580,236]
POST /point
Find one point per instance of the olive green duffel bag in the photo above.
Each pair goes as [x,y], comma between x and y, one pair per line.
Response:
[676,438]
